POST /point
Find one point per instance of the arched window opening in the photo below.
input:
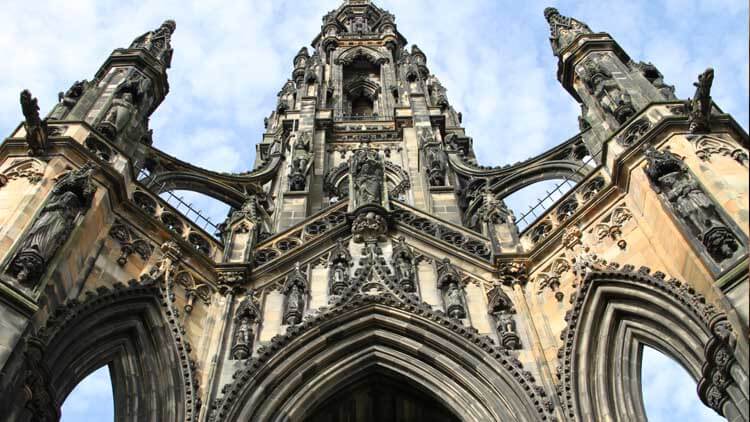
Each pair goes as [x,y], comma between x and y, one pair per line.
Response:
[91,400]
[531,202]
[206,212]
[669,393]
[361,88]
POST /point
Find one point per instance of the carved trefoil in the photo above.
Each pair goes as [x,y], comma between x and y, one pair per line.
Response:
[295,290]
[130,243]
[704,222]
[247,316]
[502,310]
[450,285]
[71,197]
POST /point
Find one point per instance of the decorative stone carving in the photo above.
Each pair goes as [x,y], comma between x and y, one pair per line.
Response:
[70,198]
[30,169]
[295,289]
[403,263]
[193,289]
[571,237]
[501,308]
[513,272]
[652,74]
[40,399]
[158,42]
[634,132]
[716,375]
[708,146]
[563,30]
[369,226]
[35,127]
[367,178]
[686,198]
[247,315]
[602,85]
[130,242]
[449,283]
[550,278]
[699,107]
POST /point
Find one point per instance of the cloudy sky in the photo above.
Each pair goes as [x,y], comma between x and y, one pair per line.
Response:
[493,56]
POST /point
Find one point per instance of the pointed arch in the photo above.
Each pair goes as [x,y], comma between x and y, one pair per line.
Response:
[127,330]
[617,312]
[372,55]
[464,372]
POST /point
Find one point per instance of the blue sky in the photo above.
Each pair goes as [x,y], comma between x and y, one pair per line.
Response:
[493,57]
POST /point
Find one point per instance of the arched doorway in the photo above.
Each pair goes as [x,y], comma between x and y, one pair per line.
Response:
[379,397]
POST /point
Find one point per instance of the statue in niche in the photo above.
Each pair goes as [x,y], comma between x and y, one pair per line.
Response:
[295,290]
[247,314]
[454,302]
[435,166]
[294,306]
[68,100]
[339,279]
[501,308]
[602,85]
[131,94]
[297,176]
[158,42]
[699,107]
[685,195]
[403,264]
[367,175]
[70,197]
[302,143]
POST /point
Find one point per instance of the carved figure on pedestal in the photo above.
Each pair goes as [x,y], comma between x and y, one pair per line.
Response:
[247,315]
[70,197]
[449,282]
[298,174]
[295,290]
[699,107]
[131,96]
[688,200]
[501,308]
[403,264]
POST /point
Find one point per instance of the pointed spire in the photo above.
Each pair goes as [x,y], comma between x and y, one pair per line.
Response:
[563,30]
[158,42]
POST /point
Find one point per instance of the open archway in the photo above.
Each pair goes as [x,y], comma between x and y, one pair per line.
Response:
[618,312]
[124,329]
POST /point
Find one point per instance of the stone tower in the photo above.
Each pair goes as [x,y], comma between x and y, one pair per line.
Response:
[369,269]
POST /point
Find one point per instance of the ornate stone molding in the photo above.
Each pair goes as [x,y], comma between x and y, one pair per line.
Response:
[130,242]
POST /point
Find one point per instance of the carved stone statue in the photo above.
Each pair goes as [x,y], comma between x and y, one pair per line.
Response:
[298,174]
[699,107]
[70,197]
[131,97]
[36,128]
[243,340]
[563,30]
[602,85]
[158,42]
[295,290]
[454,302]
[435,166]
[366,168]
[679,189]
[369,226]
[501,308]
[68,100]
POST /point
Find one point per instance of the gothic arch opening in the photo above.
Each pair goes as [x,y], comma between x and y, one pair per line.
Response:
[669,390]
[91,400]
[379,397]
[124,329]
[614,315]
[361,87]
[309,367]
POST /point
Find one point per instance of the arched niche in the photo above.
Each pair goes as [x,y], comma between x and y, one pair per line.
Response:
[618,312]
[125,329]
[303,369]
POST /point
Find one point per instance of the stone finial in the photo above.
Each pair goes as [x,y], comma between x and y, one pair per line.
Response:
[158,42]
[563,29]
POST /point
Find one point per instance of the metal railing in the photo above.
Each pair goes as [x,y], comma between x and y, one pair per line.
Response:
[550,199]
[179,203]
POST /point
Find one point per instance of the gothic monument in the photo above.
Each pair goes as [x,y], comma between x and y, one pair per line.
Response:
[369,269]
